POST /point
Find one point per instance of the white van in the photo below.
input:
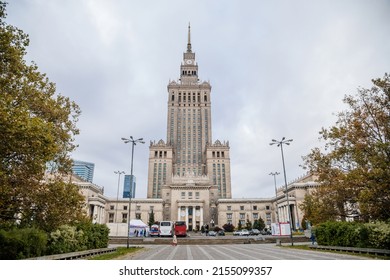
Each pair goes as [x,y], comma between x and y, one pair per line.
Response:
[166,228]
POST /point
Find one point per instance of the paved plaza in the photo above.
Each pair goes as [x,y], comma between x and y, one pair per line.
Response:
[233,252]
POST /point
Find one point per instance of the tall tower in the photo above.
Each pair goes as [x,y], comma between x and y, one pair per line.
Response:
[189,117]
[188,160]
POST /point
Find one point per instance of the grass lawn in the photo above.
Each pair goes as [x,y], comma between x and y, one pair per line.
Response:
[121,251]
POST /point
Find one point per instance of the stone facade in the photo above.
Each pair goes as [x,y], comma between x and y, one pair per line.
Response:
[196,204]
[271,210]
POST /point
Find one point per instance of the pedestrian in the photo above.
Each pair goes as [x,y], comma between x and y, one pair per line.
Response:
[174,240]
[312,237]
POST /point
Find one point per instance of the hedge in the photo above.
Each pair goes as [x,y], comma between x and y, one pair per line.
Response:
[21,243]
[353,234]
[84,236]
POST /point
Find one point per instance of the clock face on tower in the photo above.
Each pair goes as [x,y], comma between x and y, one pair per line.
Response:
[189,61]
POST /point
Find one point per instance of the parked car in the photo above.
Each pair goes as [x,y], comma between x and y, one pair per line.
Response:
[212,233]
[265,232]
[254,231]
[154,230]
[237,232]
[244,232]
[221,232]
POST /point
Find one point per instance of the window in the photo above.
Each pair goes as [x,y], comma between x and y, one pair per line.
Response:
[111,218]
[183,194]
[255,207]
[111,207]
[197,195]
[268,218]
[267,207]
[255,216]
[190,194]
[241,208]
[229,216]
[124,217]
[125,207]
[242,216]
[138,208]
[138,216]
[229,208]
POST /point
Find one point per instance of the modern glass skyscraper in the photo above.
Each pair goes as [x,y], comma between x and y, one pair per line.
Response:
[127,191]
[83,169]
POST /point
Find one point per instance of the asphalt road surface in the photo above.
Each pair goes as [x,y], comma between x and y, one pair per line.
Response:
[233,252]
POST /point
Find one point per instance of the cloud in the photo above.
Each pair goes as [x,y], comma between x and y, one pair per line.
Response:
[277,69]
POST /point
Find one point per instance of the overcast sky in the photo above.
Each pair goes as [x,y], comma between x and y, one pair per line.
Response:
[277,69]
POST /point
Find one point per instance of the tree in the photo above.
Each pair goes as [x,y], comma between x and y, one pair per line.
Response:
[259,224]
[354,167]
[248,224]
[151,219]
[37,126]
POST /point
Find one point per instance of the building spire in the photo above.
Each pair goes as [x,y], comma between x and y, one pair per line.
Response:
[189,39]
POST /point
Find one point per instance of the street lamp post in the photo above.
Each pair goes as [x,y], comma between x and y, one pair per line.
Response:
[276,195]
[117,198]
[133,142]
[280,144]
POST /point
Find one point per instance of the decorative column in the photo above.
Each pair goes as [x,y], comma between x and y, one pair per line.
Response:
[186,216]
[201,216]
[94,215]
[178,213]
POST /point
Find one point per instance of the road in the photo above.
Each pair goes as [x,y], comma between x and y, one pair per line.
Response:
[233,252]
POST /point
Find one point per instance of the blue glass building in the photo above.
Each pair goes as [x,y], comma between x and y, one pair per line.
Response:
[127,191]
[83,169]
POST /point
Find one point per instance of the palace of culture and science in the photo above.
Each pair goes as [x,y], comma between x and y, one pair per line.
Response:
[189,173]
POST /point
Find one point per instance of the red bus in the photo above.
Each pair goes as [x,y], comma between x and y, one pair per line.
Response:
[180,228]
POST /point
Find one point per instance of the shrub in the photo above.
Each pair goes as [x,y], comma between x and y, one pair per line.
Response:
[216,228]
[228,227]
[64,240]
[83,236]
[21,243]
[379,235]
[352,234]
[94,235]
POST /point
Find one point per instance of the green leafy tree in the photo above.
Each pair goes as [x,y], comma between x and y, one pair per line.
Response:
[37,126]
[248,225]
[151,219]
[353,167]
[261,224]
